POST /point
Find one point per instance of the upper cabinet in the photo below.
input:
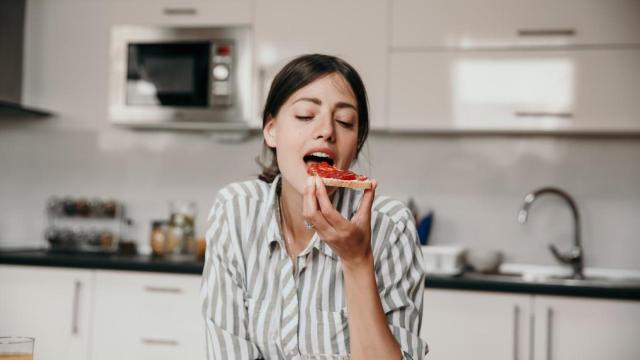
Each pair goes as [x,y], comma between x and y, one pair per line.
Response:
[498,23]
[353,30]
[592,90]
[182,12]
[567,66]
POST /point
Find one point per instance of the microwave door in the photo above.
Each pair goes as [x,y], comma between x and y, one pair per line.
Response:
[168,74]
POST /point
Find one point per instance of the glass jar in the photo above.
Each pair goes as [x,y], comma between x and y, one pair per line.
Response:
[158,239]
[182,227]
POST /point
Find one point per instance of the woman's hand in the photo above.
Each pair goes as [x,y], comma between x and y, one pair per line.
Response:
[350,239]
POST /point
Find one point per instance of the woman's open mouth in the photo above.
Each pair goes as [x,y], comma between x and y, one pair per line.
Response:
[318,157]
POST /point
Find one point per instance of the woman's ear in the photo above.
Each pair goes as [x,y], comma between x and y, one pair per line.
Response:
[269,132]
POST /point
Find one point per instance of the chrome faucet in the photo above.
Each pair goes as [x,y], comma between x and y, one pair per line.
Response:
[575,256]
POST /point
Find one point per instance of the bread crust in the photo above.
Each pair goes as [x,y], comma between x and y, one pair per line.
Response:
[353,184]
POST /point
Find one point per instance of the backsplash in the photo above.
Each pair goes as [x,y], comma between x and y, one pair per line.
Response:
[475,184]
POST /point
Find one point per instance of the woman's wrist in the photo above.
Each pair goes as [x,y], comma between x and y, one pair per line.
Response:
[360,266]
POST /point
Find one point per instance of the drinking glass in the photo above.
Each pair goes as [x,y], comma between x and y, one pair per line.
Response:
[16,348]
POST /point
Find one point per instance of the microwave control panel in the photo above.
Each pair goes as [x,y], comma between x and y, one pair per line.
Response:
[221,76]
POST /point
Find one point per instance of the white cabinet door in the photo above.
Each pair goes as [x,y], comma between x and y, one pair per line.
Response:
[353,30]
[497,23]
[151,316]
[459,325]
[586,329]
[182,12]
[53,305]
[583,90]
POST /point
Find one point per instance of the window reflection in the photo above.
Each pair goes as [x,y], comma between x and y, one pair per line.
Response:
[514,92]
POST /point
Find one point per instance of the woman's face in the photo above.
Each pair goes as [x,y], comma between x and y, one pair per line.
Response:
[319,120]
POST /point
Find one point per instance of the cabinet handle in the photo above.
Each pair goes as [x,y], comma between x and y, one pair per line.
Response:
[532,328]
[516,331]
[159,289]
[547,32]
[180,11]
[161,342]
[549,329]
[75,315]
[543,114]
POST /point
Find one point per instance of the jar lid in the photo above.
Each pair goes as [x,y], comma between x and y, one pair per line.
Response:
[158,223]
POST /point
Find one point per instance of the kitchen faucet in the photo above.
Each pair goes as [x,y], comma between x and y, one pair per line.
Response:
[575,256]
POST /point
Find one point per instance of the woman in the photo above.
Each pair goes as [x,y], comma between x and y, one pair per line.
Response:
[293,267]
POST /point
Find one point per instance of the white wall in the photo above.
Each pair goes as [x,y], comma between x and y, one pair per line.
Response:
[475,184]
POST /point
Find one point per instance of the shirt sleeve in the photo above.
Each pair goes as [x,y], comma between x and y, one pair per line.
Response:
[401,281]
[222,294]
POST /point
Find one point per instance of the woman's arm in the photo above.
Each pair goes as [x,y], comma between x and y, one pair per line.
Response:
[384,298]
[370,335]
[222,294]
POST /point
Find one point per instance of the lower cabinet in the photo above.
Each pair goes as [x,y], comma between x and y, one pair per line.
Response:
[77,314]
[52,305]
[484,325]
[147,316]
[475,325]
[586,329]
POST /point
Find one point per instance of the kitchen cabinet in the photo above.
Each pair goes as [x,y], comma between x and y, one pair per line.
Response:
[460,324]
[354,30]
[513,23]
[52,305]
[182,13]
[587,90]
[586,329]
[147,316]
[475,325]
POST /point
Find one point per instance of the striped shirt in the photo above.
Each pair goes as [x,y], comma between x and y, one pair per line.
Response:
[258,304]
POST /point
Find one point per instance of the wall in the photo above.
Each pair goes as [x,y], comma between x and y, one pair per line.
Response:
[475,184]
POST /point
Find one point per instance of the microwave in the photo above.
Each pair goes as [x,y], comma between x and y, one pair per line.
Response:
[182,78]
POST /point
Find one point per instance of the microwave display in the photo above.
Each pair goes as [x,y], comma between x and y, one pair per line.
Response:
[168,74]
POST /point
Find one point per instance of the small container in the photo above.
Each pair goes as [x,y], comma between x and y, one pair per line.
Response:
[445,260]
[82,207]
[159,238]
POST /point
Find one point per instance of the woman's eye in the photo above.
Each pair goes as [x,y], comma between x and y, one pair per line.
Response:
[304,118]
[345,124]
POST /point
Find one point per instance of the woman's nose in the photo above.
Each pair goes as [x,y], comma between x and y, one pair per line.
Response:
[325,128]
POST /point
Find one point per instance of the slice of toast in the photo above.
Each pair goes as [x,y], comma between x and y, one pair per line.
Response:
[354,184]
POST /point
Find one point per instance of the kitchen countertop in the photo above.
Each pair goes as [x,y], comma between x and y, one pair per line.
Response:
[467,281]
[179,265]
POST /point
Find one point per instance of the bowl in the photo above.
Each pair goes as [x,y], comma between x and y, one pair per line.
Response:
[484,260]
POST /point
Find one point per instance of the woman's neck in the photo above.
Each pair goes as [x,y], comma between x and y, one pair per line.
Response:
[295,233]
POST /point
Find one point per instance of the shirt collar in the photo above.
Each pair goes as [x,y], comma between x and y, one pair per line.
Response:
[273,222]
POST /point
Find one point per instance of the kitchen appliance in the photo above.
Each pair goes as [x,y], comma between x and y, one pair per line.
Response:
[180,77]
[12,17]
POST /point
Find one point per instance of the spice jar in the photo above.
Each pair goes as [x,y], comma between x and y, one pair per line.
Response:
[181,237]
[158,238]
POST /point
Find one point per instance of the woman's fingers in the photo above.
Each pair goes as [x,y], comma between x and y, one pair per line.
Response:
[363,214]
[333,217]
[310,210]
